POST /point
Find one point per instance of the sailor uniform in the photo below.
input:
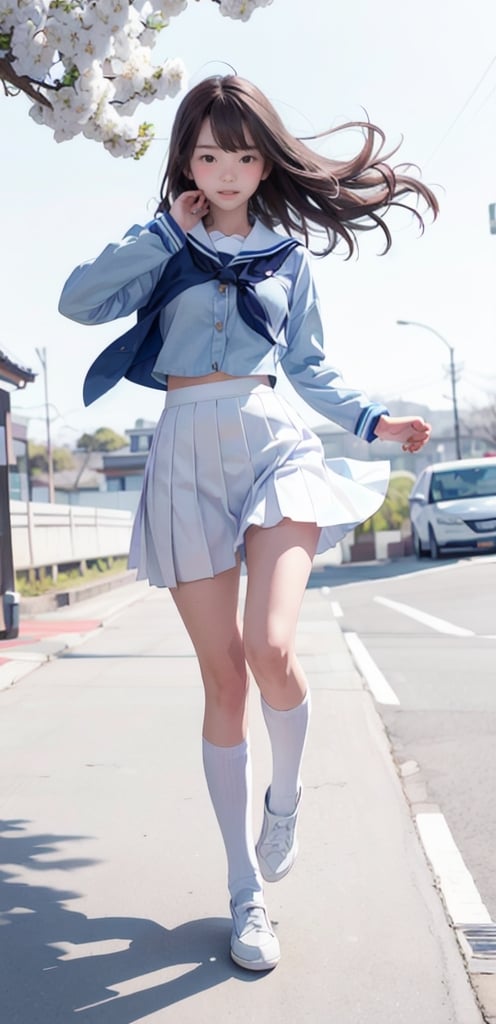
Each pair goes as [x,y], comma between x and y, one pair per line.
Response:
[233,453]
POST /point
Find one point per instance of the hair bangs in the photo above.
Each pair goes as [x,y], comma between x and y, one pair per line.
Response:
[229,125]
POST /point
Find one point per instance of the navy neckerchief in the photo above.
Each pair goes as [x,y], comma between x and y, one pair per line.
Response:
[133,354]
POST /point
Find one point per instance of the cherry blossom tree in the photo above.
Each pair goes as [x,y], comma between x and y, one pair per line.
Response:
[86,65]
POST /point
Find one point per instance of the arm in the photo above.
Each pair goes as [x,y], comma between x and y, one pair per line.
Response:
[322,387]
[310,373]
[124,275]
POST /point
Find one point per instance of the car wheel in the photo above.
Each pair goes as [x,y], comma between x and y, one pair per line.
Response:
[434,549]
[417,545]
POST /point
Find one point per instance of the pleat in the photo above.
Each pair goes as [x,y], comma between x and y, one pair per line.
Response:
[239,456]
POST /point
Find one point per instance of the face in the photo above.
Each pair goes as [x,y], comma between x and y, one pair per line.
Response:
[227,179]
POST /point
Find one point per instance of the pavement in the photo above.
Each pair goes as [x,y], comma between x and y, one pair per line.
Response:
[113,903]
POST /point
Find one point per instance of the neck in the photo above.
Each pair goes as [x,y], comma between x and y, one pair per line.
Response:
[228,222]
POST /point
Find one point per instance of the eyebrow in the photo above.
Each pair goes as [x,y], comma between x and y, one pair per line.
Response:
[213,145]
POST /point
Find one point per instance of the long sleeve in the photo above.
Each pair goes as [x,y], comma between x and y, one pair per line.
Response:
[308,370]
[123,277]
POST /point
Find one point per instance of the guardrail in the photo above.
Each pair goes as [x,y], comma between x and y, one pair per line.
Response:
[50,535]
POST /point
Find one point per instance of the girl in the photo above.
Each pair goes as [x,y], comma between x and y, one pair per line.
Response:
[223,301]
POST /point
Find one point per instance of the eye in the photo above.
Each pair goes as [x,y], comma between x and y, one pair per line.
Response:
[207,158]
[247,158]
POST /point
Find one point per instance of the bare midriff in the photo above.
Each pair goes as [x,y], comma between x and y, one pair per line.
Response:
[210,378]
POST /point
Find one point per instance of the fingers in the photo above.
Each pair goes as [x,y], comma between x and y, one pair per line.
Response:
[417,435]
[195,204]
[189,208]
[416,441]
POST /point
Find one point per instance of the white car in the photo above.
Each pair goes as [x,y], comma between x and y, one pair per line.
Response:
[453,508]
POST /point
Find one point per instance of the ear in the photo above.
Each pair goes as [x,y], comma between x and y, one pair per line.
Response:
[267,169]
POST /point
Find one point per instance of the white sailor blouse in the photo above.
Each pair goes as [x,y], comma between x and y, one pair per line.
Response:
[200,311]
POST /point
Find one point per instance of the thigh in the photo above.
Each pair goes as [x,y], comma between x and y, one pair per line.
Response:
[209,610]
[279,561]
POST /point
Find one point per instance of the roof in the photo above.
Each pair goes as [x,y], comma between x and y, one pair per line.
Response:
[448,467]
[14,373]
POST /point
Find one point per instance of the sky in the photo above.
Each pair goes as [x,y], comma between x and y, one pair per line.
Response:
[426,74]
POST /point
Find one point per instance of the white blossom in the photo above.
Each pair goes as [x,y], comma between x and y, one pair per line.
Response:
[113,14]
[90,63]
[241,9]
[15,12]
[32,52]
[171,8]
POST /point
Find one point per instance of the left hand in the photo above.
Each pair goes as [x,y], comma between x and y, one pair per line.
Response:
[412,432]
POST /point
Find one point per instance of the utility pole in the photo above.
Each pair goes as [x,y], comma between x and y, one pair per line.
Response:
[42,356]
[492,218]
[456,421]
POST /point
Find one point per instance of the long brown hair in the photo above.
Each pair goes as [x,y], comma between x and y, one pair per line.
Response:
[304,191]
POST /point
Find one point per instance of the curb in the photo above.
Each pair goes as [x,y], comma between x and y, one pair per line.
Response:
[61,598]
[56,636]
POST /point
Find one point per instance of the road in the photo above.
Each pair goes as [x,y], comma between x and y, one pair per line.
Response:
[426,637]
[114,905]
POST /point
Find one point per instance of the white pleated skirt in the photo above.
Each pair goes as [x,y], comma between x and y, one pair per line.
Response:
[229,455]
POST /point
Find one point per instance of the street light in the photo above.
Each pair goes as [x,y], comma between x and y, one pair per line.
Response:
[415,323]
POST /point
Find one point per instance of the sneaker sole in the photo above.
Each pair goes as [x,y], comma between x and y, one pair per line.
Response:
[255,965]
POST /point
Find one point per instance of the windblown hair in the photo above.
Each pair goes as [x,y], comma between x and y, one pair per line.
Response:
[304,192]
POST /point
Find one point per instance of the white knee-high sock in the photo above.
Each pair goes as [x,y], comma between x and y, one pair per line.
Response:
[228,775]
[287,732]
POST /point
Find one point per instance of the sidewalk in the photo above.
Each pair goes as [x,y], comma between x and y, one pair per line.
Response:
[114,902]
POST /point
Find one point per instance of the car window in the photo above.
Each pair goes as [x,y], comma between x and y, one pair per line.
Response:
[473,482]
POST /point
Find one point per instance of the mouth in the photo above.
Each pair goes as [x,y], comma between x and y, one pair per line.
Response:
[228,192]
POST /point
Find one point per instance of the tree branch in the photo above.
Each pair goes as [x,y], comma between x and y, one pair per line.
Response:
[20,82]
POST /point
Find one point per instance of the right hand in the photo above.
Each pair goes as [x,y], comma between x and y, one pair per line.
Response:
[189,208]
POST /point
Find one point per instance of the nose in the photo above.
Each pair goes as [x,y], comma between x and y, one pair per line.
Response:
[227,174]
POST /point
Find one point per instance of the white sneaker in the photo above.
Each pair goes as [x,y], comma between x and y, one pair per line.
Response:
[278,846]
[253,943]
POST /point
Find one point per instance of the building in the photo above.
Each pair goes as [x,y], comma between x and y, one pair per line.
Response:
[124,469]
[14,376]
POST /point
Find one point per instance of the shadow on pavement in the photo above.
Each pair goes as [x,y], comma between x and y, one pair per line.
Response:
[56,963]
[358,572]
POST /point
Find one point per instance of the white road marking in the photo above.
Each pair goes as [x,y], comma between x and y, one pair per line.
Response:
[457,885]
[441,625]
[336,610]
[382,691]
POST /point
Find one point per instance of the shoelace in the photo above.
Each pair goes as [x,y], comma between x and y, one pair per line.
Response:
[252,917]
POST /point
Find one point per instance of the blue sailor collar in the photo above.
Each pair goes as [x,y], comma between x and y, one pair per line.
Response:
[260,241]
[133,355]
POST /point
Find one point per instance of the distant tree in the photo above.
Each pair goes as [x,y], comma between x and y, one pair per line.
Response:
[395,508]
[103,440]
[481,423]
[38,460]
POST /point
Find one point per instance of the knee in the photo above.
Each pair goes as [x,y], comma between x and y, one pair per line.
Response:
[270,658]
[226,690]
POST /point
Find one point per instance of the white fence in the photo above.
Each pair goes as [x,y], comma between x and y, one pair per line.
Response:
[51,535]
[54,535]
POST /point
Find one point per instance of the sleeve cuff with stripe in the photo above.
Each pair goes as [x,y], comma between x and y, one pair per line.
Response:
[368,421]
[168,230]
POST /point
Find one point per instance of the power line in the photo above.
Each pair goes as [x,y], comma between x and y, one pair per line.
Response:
[461,111]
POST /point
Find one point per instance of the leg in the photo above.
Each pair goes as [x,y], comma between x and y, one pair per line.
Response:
[279,561]
[209,611]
